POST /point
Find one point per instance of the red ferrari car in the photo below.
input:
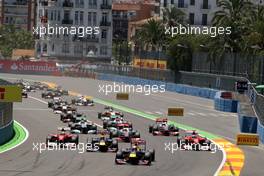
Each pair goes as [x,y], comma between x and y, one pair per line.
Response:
[62,138]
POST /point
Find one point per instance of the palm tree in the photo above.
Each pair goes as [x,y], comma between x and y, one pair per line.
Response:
[152,34]
[232,14]
[173,17]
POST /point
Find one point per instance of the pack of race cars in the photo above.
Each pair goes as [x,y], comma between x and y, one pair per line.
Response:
[115,129]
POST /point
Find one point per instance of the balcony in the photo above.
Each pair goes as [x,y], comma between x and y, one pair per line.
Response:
[106,7]
[67,21]
[182,5]
[44,3]
[105,23]
[92,40]
[68,4]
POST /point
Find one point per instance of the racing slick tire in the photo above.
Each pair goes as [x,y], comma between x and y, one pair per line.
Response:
[152,152]
[119,155]
[99,115]
[75,139]
[115,145]
[137,134]
[148,157]
[150,128]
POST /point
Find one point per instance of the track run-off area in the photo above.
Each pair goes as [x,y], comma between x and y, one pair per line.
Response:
[141,110]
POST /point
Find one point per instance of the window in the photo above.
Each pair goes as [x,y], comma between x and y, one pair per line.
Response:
[52,47]
[192,2]
[191,18]
[172,1]
[204,19]
[81,3]
[77,3]
[81,17]
[103,50]
[205,4]
[181,3]
[89,18]
[104,17]
[94,19]
[59,16]
[76,17]
[104,34]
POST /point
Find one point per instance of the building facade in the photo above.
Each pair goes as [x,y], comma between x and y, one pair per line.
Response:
[20,13]
[82,15]
[198,12]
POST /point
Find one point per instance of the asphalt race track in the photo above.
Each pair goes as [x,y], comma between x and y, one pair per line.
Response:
[199,113]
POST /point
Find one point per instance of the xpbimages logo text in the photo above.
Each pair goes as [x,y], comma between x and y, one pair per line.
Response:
[125,88]
[80,31]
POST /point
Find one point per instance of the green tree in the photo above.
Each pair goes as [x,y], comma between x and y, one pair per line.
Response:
[173,17]
[12,38]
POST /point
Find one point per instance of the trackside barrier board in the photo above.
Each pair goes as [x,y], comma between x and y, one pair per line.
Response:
[122,96]
[248,139]
[175,111]
[10,93]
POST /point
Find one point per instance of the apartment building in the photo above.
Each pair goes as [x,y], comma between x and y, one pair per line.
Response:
[198,12]
[20,13]
[125,12]
[75,14]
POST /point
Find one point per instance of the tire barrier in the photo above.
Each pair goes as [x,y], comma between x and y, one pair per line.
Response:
[7,132]
[172,87]
[225,105]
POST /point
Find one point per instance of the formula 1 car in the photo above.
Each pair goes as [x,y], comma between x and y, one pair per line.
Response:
[115,122]
[136,154]
[102,144]
[78,117]
[63,138]
[82,101]
[123,133]
[50,94]
[193,141]
[56,101]
[59,109]
[108,113]
[67,116]
[24,94]
[83,127]
[161,127]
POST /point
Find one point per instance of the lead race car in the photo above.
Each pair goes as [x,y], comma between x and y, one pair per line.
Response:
[137,154]
[62,139]
[161,127]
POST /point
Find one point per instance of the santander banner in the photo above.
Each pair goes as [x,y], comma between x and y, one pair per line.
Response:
[29,67]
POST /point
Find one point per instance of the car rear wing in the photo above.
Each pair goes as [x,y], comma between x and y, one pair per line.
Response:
[161,120]
[64,129]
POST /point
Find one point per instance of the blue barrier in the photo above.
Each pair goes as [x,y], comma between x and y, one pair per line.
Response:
[172,87]
[247,124]
[260,131]
[225,105]
[7,133]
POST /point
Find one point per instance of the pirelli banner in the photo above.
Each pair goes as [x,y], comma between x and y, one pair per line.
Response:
[30,67]
[122,96]
[10,93]
[248,139]
[175,111]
